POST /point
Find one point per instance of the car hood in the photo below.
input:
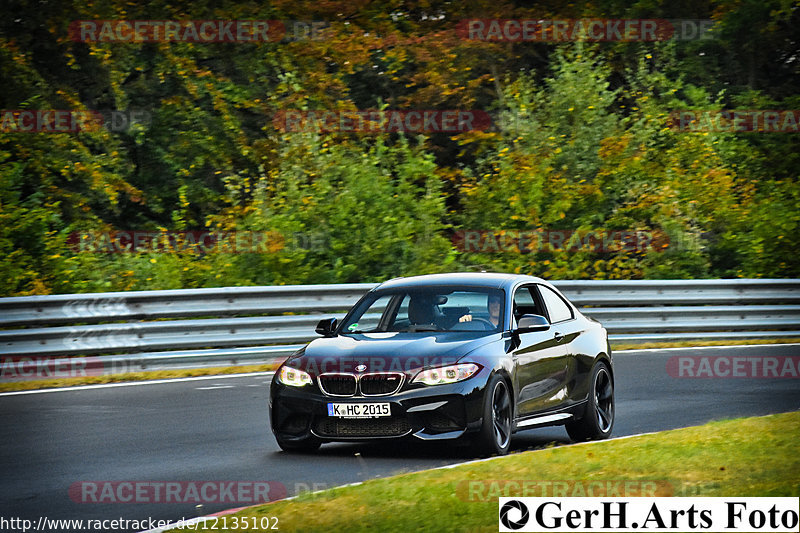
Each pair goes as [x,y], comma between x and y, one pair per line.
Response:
[388,352]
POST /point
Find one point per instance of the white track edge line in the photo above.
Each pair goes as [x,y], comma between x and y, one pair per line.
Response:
[135,383]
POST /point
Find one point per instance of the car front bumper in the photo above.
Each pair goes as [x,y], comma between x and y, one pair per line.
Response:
[435,412]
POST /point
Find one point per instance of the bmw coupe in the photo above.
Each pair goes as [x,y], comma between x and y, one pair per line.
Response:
[468,356]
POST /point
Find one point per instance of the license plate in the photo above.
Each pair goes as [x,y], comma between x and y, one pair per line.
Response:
[359,410]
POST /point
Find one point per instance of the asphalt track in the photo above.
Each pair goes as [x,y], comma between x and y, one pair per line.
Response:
[216,430]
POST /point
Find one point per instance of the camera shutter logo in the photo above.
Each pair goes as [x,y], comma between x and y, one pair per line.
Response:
[523,511]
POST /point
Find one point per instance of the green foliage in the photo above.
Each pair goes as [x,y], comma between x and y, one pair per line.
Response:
[582,144]
[348,211]
[585,162]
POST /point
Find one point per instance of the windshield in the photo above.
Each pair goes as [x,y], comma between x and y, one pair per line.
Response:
[428,309]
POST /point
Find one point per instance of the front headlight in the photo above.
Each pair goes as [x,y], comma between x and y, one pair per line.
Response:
[294,377]
[446,374]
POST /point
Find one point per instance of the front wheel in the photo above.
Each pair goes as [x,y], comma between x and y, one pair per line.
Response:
[598,419]
[495,434]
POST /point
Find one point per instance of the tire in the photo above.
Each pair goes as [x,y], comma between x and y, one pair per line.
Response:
[598,418]
[495,434]
[307,445]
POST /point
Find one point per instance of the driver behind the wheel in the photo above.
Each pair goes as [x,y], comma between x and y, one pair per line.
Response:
[421,311]
[493,305]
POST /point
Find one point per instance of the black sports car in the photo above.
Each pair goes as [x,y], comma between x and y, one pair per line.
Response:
[448,356]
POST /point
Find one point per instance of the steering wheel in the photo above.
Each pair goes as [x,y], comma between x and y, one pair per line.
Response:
[488,326]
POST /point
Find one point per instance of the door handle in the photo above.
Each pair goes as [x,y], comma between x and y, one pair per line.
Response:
[558,337]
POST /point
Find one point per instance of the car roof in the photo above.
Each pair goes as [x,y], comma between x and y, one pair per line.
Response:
[470,279]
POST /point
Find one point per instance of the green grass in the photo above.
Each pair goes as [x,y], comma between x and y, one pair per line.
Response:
[743,457]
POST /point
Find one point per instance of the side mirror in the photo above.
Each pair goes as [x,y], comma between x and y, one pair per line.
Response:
[531,323]
[327,327]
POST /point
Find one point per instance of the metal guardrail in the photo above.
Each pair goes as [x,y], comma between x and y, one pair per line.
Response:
[199,327]
[108,306]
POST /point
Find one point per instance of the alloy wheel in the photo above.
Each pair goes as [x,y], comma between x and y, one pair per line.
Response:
[604,400]
[501,414]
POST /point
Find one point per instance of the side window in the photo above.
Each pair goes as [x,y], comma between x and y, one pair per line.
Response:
[525,303]
[371,318]
[558,310]
[401,317]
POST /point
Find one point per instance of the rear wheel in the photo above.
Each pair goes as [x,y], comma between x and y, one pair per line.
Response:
[598,419]
[307,445]
[495,434]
